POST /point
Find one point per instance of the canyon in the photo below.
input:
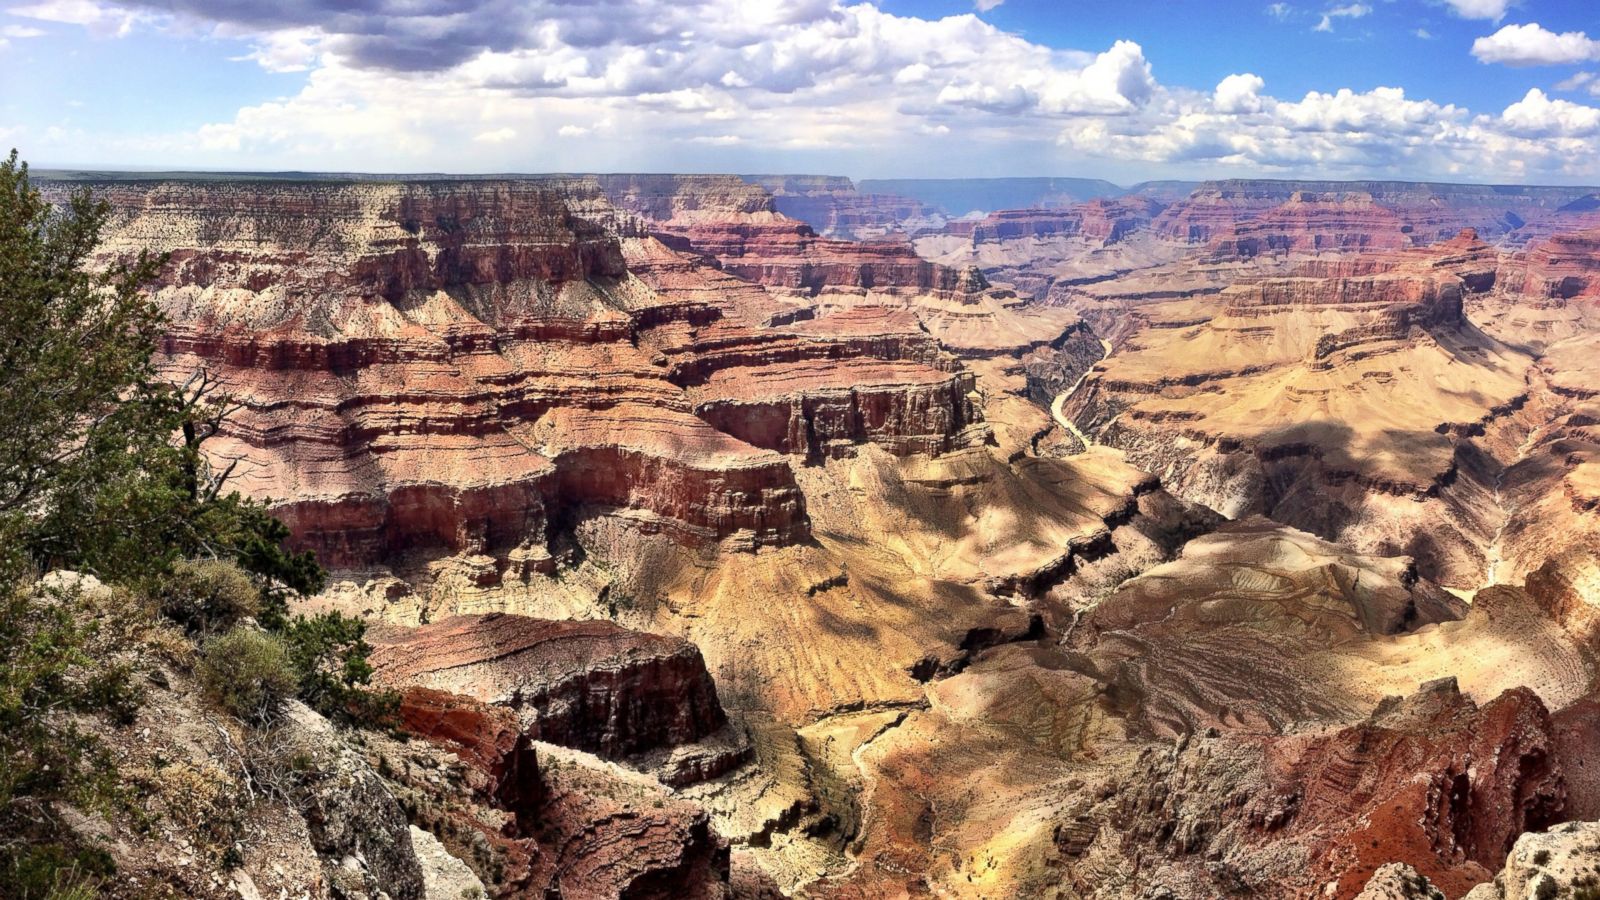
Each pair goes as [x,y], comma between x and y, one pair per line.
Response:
[781,535]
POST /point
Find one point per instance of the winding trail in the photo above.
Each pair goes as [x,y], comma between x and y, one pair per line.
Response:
[1057,405]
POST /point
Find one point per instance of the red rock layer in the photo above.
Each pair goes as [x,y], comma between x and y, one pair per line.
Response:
[791,255]
[591,685]
[574,830]
[484,736]
[464,366]
[1314,222]
[1434,780]
[1105,221]
[1564,267]
[1351,214]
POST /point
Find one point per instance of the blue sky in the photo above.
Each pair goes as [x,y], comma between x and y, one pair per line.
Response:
[1476,90]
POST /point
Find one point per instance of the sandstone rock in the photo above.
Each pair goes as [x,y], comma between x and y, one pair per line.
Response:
[360,831]
[1398,881]
[1562,862]
[1341,404]
[594,831]
[443,876]
[1434,780]
[588,685]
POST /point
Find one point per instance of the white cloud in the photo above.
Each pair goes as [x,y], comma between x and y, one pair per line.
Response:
[1424,34]
[496,136]
[986,5]
[829,84]
[1575,81]
[1538,116]
[21,31]
[1533,45]
[1494,10]
[1280,11]
[1116,81]
[101,21]
[1348,11]
[1239,94]
[294,50]
[1382,110]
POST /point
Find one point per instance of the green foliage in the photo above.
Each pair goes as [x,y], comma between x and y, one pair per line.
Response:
[53,872]
[48,675]
[78,393]
[330,651]
[249,673]
[100,462]
[208,596]
[233,527]
[101,471]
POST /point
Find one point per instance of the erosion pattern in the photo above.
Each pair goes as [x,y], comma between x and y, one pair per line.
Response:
[778,536]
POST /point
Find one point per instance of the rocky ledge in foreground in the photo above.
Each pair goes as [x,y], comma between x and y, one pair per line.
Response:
[1563,862]
[591,686]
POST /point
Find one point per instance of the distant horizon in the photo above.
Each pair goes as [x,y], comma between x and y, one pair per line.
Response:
[156,173]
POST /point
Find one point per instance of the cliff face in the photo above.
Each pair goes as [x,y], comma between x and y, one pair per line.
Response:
[1564,267]
[749,558]
[1102,221]
[791,256]
[1435,780]
[588,685]
[1298,215]
[1302,397]
[460,367]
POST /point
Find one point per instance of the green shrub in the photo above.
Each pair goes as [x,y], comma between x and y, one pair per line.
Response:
[208,596]
[55,872]
[330,653]
[249,673]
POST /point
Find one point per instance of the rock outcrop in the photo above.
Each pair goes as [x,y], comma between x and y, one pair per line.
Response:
[528,322]
[1435,780]
[353,820]
[1562,862]
[1337,399]
[592,686]
[1421,213]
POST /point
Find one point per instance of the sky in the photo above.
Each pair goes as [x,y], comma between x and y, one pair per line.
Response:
[1127,90]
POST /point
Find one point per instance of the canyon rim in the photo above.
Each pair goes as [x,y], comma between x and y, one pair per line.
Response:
[466,450]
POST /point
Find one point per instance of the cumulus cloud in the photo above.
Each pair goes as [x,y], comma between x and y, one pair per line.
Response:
[1539,116]
[497,85]
[1533,45]
[1494,10]
[1239,94]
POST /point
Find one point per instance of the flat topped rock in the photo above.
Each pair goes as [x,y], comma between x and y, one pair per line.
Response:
[465,654]
[589,685]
